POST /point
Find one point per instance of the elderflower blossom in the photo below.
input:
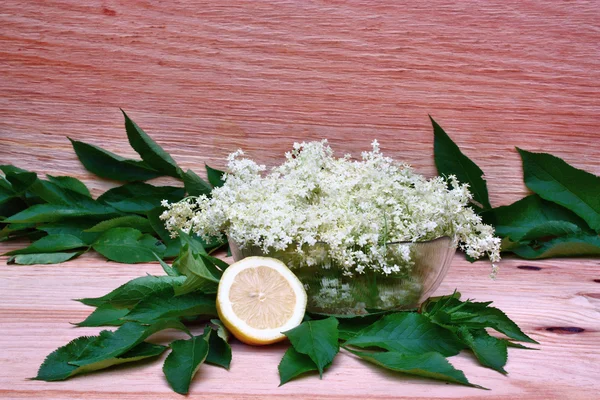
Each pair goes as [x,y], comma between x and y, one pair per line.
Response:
[353,206]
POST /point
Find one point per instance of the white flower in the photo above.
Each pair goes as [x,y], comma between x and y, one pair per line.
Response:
[354,207]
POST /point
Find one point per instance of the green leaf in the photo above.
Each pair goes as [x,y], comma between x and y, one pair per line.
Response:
[316,339]
[7,200]
[494,318]
[173,244]
[5,195]
[474,315]
[201,269]
[128,221]
[111,166]
[187,261]
[219,352]
[154,155]
[90,353]
[490,351]
[408,333]
[200,247]
[42,258]
[438,301]
[294,364]
[532,217]
[70,183]
[449,160]
[31,235]
[429,365]
[12,231]
[350,327]
[184,361]
[158,224]
[19,179]
[172,249]
[170,271]
[56,367]
[215,263]
[215,176]
[194,185]
[74,227]
[50,244]
[518,345]
[566,246]
[31,199]
[551,229]
[555,180]
[11,206]
[5,186]
[222,331]
[197,245]
[123,339]
[132,292]
[56,212]
[56,194]
[201,275]
[128,245]
[104,315]
[50,193]
[195,283]
[139,197]
[166,305]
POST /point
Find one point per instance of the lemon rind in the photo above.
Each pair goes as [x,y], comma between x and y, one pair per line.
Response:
[239,327]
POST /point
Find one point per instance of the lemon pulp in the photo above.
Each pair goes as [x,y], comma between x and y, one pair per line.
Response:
[262,298]
[259,298]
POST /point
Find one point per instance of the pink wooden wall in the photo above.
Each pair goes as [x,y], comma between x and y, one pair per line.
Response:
[206,78]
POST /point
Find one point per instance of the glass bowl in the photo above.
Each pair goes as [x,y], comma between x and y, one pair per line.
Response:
[331,292]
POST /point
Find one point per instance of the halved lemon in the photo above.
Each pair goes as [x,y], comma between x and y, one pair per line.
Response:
[259,298]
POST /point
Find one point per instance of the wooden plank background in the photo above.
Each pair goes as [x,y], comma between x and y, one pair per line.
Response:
[207,78]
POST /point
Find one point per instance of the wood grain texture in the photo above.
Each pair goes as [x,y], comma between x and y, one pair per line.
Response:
[207,78]
[557,305]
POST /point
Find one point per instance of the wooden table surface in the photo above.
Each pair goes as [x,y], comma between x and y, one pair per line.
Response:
[207,78]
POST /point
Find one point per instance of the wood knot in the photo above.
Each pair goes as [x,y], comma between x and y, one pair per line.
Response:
[529,267]
[568,330]
[109,12]
[592,295]
[597,280]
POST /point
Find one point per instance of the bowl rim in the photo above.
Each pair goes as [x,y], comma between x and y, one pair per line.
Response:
[424,241]
[452,239]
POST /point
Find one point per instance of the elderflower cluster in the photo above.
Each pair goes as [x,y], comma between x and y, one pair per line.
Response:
[355,207]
